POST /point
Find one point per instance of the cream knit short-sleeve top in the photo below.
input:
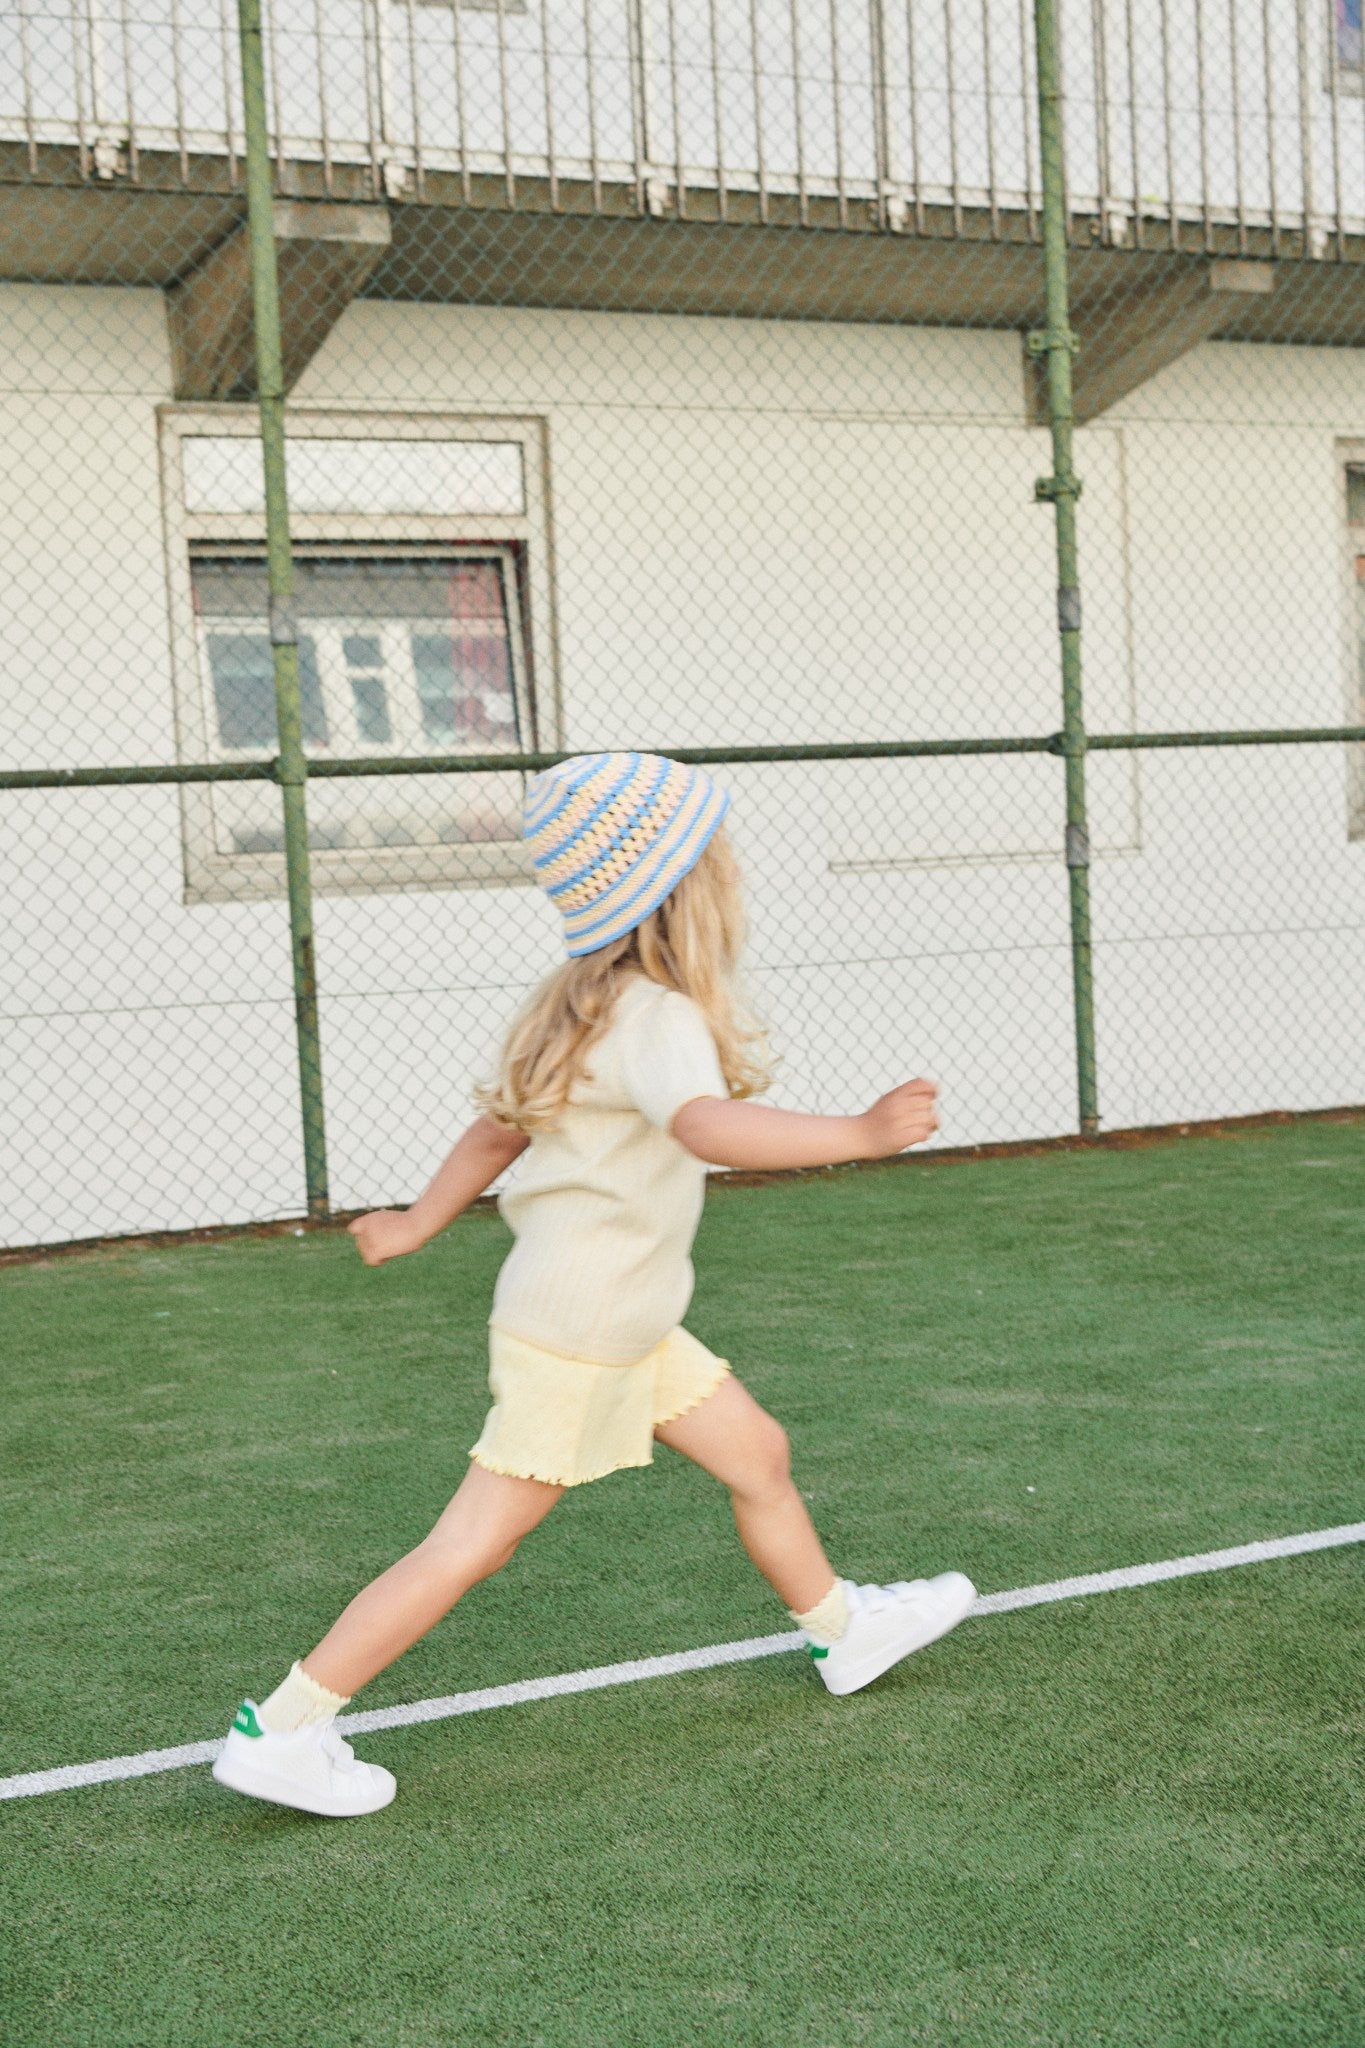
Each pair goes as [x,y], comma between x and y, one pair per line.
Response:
[605,1206]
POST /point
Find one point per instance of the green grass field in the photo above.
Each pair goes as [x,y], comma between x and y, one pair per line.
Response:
[1129,1819]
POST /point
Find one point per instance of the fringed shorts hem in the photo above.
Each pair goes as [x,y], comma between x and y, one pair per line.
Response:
[478,1457]
[566,1423]
[695,1401]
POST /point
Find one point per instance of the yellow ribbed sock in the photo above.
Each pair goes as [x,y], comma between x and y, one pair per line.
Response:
[299,1701]
[826,1621]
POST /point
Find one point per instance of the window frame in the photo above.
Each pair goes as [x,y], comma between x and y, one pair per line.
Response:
[523,541]
[1351,455]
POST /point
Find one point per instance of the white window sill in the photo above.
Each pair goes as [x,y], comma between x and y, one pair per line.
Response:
[260,878]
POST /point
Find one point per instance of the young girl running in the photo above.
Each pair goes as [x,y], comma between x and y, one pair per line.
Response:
[623,1077]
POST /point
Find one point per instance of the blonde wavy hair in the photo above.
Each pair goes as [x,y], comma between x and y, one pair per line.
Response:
[691,943]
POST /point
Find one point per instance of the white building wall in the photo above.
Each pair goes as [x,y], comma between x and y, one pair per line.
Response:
[762,532]
[1233,969]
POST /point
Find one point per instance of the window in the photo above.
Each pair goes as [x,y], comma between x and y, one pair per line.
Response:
[1349,53]
[1355,666]
[420,592]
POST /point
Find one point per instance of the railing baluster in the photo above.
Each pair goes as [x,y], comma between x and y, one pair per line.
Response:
[717,111]
[912,91]
[382,17]
[836,88]
[78,77]
[225,44]
[1202,97]
[1171,200]
[1134,124]
[1026,74]
[992,192]
[758,112]
[93,57]
[129,76]
[1334,97]
[1360,59]
[802,198]
[1270,129]
[888,166]
[594,158]
[26,82]
[951,57]
[1234,59]
[178,65]
[418,163]
[505,106]
[328,184]
[639,99]
[461,111]
[1099,72]
[675,102]
[547,75]
[1305,122]
[370,32]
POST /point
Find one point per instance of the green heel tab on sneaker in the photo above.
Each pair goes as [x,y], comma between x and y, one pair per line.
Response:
[246,1722]
[818,1650]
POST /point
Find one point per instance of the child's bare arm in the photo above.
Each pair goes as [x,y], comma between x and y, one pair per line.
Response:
[753,1135]
[471,1166]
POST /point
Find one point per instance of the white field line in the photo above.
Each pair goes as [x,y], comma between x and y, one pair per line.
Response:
[29,1784]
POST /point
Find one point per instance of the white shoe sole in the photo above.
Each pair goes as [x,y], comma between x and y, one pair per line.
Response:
[852,1678]
[284,1792]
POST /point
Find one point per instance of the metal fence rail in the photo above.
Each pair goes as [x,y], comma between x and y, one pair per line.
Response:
[706,757]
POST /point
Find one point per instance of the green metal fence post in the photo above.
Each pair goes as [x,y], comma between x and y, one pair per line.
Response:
[291,768]
[1056,344]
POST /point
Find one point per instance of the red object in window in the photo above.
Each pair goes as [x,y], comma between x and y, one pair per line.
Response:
[479,649]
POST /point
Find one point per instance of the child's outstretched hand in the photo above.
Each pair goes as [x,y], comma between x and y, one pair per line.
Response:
[907,1116]
[473,1165]
[385,1234]
[753,1135]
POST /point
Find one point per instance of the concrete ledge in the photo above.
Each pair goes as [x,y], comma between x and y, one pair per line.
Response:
[450,251]
[325,253]
[1124,343]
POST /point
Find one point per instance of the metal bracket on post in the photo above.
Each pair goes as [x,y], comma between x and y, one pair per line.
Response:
[1039,341]
[1077,846]
[284,624]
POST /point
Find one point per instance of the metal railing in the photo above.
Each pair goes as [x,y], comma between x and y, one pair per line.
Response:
[1182,117]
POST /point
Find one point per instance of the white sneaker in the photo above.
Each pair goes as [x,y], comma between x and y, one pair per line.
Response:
[311,1768]
[886,1623]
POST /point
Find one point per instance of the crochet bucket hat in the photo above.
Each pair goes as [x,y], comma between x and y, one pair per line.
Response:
[610,835]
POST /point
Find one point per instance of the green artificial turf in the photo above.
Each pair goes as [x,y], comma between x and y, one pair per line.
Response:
[1132,1819]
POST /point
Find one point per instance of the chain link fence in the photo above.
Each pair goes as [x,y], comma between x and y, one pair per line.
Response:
[610,373]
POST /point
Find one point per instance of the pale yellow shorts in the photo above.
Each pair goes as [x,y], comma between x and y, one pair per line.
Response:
[564,1421]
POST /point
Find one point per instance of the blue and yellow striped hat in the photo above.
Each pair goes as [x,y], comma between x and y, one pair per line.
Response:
[611,835]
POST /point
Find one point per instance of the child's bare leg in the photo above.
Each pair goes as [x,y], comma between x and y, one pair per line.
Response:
[474,1538]
[740,1444]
